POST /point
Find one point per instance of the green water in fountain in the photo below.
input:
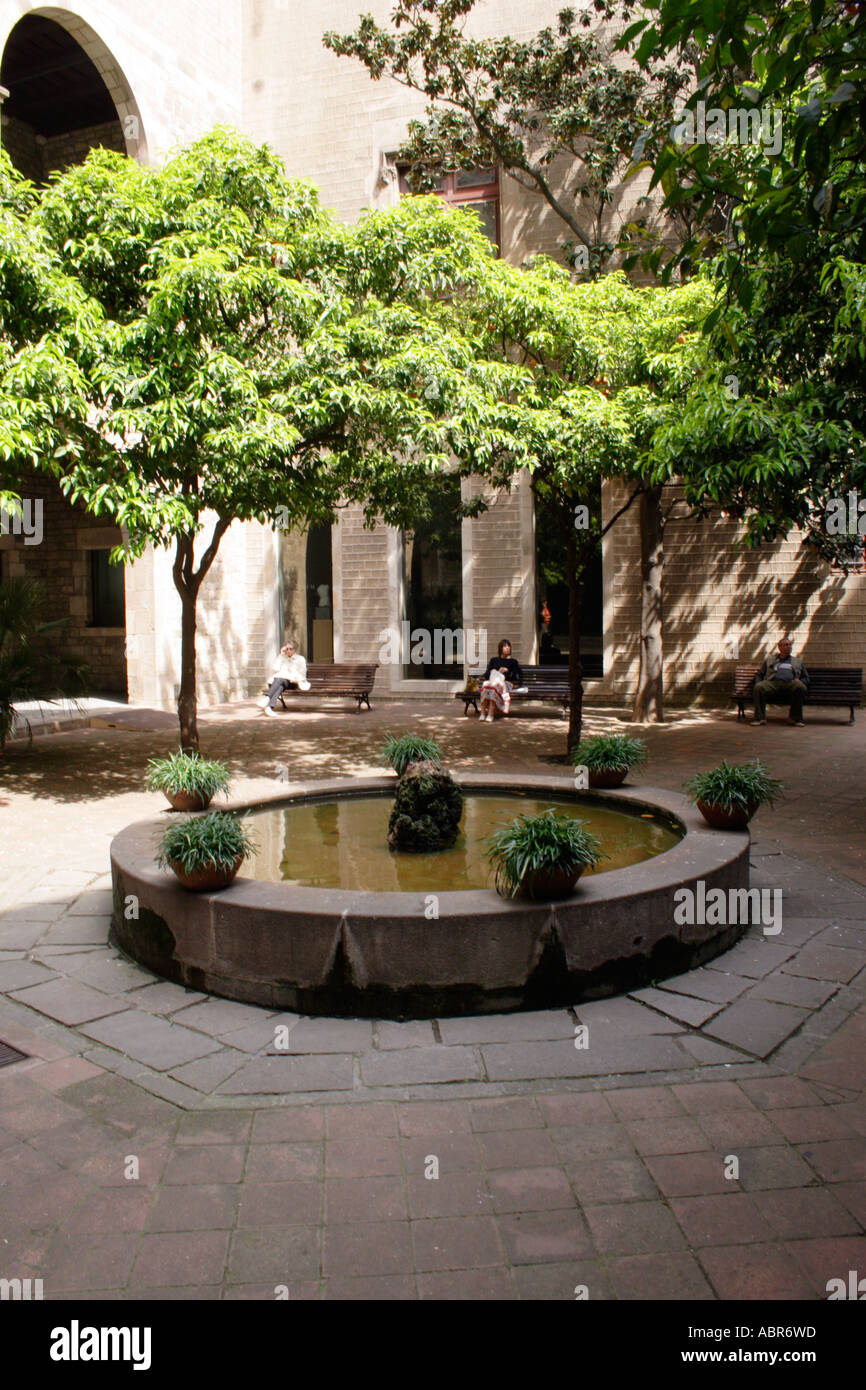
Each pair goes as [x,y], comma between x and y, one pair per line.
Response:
[344,843]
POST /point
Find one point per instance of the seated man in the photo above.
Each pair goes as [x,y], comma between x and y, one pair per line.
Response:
[782,680]
[289,673]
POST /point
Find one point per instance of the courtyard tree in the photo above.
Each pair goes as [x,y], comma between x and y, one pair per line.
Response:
[256,361]
[795,70]
[559,112]
[562,115]
[775,429]
[46,325]
[605,364]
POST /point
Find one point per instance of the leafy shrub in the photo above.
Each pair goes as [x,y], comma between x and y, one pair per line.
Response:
[402,749]
[609,753]
[543,843]
[187,772]
[213,841]
[734,786]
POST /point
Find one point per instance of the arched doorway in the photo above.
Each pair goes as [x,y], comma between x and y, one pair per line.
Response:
[67,95]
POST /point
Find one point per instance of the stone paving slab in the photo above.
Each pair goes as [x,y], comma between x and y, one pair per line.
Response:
[828,963]
[521,1061]
[715,985]
[756,1025]
[679,1007]
[151,1040]
[278,1075]
[216,1016]
[421,1064]
[784,988]
[68,1001]
[754,957]
[17,974]
[534,1027]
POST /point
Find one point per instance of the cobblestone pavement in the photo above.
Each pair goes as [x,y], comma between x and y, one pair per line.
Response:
[708,1144]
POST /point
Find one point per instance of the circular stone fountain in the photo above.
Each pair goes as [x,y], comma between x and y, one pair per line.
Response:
[435,950]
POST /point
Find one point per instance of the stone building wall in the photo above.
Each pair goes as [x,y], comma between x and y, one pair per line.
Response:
[61,151]
[498,546]
[61,561]
[364,573]
[239,621]
[333,125]
[725,605]
[37,157]
[20,143]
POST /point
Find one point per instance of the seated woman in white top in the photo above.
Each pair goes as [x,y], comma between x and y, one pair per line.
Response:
[289,673]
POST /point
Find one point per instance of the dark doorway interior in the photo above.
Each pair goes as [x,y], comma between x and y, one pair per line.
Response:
[551,582]
[320,589]
[433,590]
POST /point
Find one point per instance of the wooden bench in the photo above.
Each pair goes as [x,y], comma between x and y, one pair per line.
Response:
[353,679]
[547,683]
[828,685]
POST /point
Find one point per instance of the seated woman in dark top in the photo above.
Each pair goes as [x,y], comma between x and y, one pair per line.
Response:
[502,675]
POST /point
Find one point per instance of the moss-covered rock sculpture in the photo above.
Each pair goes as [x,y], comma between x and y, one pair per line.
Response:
[427,810]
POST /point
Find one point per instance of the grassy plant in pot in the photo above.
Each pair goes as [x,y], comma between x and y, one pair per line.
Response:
[729,795]
[609,758]
[189,781]
[401,750]
[541,856]
[206,852]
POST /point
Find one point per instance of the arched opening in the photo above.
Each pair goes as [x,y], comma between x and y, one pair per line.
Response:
[67,95]
[63,95]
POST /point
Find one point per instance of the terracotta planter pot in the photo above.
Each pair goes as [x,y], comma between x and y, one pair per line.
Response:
[556,884]
[607,776]
[207,880]
[723,818]
[188,801]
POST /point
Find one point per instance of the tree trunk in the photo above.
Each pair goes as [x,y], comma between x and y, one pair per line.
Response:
[187,700]
[575,665]
[649,701]
[188,581]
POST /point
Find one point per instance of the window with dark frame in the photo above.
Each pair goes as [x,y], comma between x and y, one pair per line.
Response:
[107,597]
[477,189]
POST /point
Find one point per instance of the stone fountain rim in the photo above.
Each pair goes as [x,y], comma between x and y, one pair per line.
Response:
[701,852]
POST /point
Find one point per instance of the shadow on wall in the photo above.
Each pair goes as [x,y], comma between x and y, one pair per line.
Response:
[727,606]
[223,630]
[530,227]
